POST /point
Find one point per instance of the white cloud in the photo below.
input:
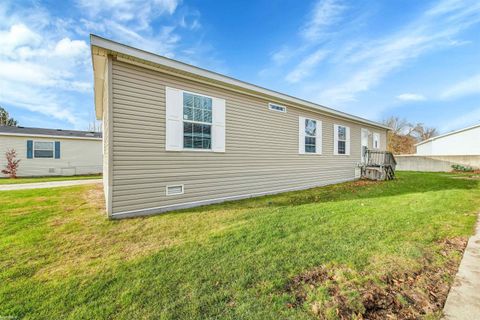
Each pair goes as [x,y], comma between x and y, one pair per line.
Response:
[304,68]
[371,63]
[39,65]
[46,102]
[71,48]
[16,37]
[411,97]
[45,64]
[324,14]
[467,87]
[138,12]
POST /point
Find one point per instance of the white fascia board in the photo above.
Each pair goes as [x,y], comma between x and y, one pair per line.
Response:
[177,65]
[46,136]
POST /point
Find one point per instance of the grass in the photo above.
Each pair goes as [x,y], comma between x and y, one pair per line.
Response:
[47,179]
[61,257]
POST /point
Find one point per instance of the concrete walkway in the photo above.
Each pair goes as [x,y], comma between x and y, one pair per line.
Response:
[463,301]
[49,184]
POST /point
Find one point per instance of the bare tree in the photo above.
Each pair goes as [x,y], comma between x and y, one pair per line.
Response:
[399,125]
[95,126]
[424,133]
[5,119]
[404,135]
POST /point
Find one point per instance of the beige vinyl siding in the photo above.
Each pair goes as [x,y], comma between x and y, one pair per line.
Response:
[77,156]
[261,152]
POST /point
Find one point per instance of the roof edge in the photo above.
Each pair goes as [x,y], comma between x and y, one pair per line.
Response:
[448,134]
[14,134]
[113,46]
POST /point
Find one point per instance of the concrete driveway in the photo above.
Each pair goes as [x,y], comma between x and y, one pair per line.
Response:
[50,184]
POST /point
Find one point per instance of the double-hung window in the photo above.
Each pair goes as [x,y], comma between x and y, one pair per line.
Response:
[197,121]
[310,135]
[43,149]
[341,140]
[194,121]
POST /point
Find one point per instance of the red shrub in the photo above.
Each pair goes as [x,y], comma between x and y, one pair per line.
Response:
[12,164]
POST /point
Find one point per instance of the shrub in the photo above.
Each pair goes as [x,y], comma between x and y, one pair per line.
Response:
[12,164]
[459,167]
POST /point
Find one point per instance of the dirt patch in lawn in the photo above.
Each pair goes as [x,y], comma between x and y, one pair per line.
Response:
[361,183]
[339,292]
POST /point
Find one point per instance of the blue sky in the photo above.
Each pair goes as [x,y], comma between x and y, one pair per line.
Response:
[414,59]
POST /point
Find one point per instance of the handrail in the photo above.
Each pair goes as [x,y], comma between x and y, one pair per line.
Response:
[380,158]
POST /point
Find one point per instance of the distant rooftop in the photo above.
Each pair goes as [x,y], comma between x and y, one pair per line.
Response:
[48,132]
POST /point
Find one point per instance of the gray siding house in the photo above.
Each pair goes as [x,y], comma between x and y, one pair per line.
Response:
[177,136]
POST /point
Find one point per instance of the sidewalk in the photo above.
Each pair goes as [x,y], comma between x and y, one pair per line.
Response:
[50,184]
[463,301]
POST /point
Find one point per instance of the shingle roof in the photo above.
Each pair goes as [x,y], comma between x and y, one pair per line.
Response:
[49,132]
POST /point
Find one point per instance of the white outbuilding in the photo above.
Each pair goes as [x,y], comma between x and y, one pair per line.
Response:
[463,142]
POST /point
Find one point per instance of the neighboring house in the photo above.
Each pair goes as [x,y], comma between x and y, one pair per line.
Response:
[440,153]
[178,136]
[52,152]
[462,142]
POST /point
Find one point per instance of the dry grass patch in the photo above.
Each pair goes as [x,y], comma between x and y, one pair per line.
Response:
[340,292]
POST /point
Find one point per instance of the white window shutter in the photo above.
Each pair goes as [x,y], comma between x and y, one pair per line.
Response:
[347,143]
[301,135]
[218,125]
[174,119]
[335,139]
[319,137]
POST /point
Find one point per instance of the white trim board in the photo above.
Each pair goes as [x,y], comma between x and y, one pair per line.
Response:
[46,136]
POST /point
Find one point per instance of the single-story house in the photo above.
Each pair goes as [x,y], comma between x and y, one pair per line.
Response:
[443,152]
[52,152]
[178,136]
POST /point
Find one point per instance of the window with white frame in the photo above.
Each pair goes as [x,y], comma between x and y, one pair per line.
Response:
[376,140]
[197,121]
[341,140]
[194,121]
[43,149]
[310,136]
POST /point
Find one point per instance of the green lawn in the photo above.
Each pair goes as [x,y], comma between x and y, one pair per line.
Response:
[61,258]
[47,179]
